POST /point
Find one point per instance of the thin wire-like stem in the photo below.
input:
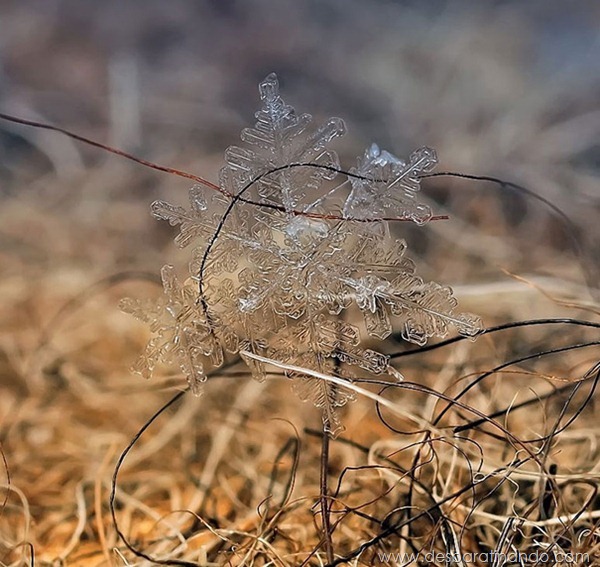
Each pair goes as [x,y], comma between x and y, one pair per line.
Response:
[113,490]
[205,182]
[324,496]
[111,149]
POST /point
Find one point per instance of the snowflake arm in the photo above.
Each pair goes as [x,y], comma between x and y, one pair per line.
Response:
[282,286]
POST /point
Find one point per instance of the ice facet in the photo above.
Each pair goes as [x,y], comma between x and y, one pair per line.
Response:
[284,263]
[385,186]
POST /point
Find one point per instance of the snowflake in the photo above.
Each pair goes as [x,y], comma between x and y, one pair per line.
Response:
[281,268]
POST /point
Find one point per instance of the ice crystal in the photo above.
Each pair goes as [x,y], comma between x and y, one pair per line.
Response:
[281,267]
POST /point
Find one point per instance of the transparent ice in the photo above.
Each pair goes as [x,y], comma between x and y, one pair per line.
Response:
[302,251]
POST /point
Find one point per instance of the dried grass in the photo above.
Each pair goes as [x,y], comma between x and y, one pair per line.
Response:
[233,477]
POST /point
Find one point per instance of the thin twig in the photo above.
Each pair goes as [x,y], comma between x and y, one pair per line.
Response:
[324,496]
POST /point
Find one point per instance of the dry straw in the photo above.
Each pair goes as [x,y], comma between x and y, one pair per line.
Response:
[297,275]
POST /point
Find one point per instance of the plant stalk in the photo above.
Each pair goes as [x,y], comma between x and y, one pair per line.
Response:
[324,497]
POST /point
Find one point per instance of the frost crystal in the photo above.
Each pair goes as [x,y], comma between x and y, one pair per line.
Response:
[282,267]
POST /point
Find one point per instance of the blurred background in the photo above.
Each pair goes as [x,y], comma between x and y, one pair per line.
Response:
[503,88]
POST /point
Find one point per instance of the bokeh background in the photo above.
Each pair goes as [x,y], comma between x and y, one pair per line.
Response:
[503,88]
[498,88]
